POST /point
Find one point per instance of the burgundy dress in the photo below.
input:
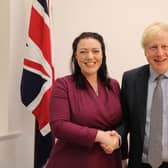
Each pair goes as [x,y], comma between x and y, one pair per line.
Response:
[75,116]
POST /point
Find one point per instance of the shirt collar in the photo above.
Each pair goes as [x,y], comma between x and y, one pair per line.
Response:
[154,74]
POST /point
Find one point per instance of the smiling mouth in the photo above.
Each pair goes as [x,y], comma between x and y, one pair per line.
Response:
[90,63]
[160,61]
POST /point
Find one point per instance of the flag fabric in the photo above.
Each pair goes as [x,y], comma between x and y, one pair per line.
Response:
[43,145]
[38,71]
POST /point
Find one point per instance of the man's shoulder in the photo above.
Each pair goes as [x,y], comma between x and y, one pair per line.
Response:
[137,70]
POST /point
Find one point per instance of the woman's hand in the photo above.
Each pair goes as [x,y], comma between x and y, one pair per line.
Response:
[109,140]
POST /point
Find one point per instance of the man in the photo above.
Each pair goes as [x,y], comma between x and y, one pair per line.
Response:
[137,94]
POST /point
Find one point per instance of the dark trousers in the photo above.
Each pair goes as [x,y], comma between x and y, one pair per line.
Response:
[146,165]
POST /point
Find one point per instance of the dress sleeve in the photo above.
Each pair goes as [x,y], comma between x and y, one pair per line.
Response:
[60,118]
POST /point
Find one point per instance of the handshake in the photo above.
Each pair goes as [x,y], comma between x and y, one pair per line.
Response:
[108,140]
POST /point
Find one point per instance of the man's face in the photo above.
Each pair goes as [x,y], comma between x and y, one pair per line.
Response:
[156,52]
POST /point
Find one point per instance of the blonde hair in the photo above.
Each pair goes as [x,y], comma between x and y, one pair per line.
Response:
[152,31]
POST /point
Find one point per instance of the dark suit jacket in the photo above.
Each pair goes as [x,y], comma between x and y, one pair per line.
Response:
[134,101]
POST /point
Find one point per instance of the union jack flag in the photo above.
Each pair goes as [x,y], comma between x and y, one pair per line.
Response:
[38,71]
[38,77]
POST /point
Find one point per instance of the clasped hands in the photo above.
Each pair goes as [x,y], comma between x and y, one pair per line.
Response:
[108,140]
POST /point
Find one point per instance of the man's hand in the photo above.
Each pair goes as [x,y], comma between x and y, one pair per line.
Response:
[109,140]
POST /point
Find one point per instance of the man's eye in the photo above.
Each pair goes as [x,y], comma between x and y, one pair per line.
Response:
[153,47]
[165,47]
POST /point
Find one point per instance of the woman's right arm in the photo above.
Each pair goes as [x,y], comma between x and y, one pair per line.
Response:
[60,118]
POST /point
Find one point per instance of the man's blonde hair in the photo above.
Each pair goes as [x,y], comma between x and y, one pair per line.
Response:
[152,31]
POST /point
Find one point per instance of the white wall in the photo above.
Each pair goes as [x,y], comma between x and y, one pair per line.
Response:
[120,22]
[4,46]
[16,124]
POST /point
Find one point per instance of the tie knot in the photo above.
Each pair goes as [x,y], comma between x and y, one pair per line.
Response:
[159,78]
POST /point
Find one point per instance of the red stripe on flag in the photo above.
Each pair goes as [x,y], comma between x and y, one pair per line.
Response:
[36,66]
[39,32]
[42,110]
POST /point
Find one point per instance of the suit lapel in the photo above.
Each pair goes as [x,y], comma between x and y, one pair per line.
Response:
[141,92]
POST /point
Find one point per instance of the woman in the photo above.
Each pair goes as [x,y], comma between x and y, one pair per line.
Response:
[84,109]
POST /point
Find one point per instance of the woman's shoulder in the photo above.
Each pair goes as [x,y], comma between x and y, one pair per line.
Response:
[63,86]
[64,81]
[114,82]
[66,78]
[115,85]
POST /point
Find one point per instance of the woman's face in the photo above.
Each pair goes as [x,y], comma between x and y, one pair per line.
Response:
[89,56]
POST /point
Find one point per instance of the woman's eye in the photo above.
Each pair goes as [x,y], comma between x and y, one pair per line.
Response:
[96,51]
[83,52]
